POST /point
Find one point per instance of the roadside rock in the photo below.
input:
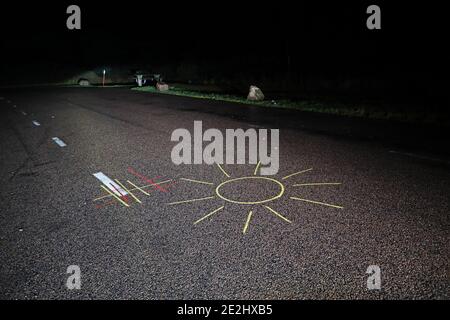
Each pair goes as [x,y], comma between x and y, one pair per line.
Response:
[255,94]
[162,86]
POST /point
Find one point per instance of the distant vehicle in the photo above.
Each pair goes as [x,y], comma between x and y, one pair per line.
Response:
[143,78]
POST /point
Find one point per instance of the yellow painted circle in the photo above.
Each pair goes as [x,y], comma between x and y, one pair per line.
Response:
[250,202]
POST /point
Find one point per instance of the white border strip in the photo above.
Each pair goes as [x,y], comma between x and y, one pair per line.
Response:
[111,185]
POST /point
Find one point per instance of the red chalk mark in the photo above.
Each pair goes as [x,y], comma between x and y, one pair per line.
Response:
[157,186]
[99,206]
[167,186]
[170,185]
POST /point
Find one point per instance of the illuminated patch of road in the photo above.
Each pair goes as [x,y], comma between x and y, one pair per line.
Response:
[253,191]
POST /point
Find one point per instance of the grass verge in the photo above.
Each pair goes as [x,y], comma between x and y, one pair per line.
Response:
[378,112]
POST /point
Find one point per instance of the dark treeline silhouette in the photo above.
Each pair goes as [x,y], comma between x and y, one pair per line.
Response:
[294,49]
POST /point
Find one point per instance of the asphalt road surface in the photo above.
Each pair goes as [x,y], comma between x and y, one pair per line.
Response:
[391,207]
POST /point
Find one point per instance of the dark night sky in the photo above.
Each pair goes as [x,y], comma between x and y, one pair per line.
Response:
[321,37]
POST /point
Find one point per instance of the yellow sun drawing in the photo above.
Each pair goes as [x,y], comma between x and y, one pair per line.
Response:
[279,184]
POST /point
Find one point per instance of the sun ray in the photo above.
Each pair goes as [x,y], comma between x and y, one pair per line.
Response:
[209,214]
[249,217]
[136,188]
[257,167]
[197,181]
[115,196]
[190,200]
[296,173]
[317,202]
[317,184]
[223,171]
[277,214]
[128,191]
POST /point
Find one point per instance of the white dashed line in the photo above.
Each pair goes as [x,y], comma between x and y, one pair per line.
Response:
[59,142]
[37,124]
[111,185]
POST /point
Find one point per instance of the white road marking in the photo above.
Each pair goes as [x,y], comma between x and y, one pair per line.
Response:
[59,142]
[110,184]
[24,113]
[418,156]
[37,124]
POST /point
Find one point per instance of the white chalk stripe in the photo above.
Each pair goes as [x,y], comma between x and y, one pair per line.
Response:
[37,124]
[59,142]
[110,184]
